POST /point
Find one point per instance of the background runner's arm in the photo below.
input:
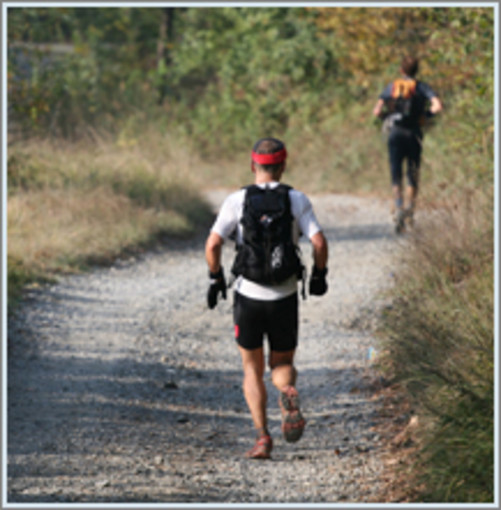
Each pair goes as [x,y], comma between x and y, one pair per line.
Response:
[432,96]
[378,108]
[213,248]
[320,250]
[436,105]
[385,95]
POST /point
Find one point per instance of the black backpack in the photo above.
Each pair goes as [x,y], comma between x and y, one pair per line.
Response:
[268,254]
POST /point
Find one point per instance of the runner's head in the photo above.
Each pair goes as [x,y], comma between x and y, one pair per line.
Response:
[269,154]
[409,66]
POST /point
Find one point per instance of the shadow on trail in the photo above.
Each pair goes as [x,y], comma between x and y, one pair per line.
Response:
[69,408]
[92,401]
[369,232]
[131,408]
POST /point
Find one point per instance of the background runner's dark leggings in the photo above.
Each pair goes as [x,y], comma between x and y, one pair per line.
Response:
[404,144]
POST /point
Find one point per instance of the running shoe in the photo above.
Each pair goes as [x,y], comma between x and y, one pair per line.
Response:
[262,448]
[293,422]
[409,217]
[399,221]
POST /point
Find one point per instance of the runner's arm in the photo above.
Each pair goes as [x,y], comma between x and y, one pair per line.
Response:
[385,95]
[436,105]
[378,108]
[432,96]
[226,223]
[320,250]
[309,226]
[213,248]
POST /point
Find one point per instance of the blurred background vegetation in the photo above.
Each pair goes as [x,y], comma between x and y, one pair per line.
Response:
[119,117]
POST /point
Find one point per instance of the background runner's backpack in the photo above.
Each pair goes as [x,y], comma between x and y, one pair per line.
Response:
[268,254]
[404,104]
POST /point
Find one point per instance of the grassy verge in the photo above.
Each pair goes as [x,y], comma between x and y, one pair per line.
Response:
[74,205]
[438,339]
[344,153]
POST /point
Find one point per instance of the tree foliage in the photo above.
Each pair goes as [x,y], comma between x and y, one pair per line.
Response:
[455,44]
[232,71]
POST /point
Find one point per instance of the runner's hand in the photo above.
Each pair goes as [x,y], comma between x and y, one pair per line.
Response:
[318,282]
[217,285]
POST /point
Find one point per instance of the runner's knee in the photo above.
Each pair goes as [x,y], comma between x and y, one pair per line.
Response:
[252,372]
[278,358]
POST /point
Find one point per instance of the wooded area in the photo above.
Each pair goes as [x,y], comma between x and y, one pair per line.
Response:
[226,75]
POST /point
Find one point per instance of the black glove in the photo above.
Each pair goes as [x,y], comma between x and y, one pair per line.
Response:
[318,283]
[217,285]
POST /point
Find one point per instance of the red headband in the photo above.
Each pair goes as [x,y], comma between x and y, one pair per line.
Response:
[269,159]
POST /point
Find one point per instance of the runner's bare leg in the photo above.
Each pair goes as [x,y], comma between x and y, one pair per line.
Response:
[254,387]
[283,372]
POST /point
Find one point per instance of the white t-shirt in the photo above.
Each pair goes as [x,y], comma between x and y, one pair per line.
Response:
[227,225]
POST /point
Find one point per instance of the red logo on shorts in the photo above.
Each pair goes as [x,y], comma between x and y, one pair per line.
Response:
[237,331]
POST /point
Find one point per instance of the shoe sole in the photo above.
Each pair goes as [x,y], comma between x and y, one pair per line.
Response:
[259,456]
[293,422]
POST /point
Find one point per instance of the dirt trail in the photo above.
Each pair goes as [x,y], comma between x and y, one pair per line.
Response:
[124,387]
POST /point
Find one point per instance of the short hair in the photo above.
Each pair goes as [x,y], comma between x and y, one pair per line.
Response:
[269,146]
[410,65]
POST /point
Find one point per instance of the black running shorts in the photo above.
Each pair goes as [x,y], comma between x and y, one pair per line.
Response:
[404,144]
[278,320]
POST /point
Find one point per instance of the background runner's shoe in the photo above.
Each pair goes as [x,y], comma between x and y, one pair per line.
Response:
[262,448]
[409,217]
[399,221]
[293,422]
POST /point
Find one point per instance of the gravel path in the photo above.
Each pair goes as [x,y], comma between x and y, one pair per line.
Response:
[124,387]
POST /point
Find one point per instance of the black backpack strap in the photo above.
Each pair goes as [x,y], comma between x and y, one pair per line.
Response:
[285,189]
[282,189]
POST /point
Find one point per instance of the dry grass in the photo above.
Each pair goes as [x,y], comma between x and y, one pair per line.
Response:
[74,204]
[52,228]
[438,337]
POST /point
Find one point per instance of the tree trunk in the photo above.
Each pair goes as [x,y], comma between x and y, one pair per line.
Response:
[165,38]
